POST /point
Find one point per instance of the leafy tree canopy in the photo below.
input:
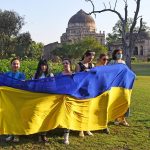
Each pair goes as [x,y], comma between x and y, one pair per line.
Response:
[77,49]
[10,23]
[14,43]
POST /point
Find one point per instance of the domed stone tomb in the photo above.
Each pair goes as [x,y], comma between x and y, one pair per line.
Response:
[81,25]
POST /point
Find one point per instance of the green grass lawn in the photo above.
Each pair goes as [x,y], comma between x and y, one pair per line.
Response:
[135,137]
[142,69]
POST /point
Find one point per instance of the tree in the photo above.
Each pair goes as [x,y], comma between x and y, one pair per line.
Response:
[23,42]
[115,36]
[128,44]
[112,38]
[77,49]
[10,25]
[36,50]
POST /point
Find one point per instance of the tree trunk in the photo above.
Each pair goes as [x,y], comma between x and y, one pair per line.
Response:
[128,56]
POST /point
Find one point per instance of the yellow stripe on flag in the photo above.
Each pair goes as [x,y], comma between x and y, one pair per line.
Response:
[23,112]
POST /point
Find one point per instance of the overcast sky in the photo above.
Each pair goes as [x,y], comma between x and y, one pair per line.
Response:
[46,20]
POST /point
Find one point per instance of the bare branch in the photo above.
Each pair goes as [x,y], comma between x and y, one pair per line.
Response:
[139,31]
[91,4]
[120,31]
[125,1]
[115,4]
[139,17]
[140,28]
[141,25]
[104,5]
[126,12]
[104,10]
[135,16]
[110,4]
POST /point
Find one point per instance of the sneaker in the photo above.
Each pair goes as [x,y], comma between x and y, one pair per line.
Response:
[9,138]
[117,122]
[125,123]
[81,134]
[16,139]
[105,131]
[89,133]
[12,138]
[43,138]
[66,138]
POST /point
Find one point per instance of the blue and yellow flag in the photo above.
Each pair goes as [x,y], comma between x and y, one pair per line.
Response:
[82,101]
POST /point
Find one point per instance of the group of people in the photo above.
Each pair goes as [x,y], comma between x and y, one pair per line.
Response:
[84,65]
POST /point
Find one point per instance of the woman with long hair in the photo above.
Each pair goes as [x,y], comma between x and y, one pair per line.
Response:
[86,62]
[42,70]
[41,73]
[85,65]
[102,60]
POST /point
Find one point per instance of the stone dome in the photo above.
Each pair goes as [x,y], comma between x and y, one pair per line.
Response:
[81,17]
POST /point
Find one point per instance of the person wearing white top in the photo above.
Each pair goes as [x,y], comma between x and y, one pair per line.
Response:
[117,57]
[85,65]
[41,73]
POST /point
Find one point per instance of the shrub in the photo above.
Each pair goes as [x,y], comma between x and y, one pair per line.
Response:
[133,59]
[148,59]
[28,67]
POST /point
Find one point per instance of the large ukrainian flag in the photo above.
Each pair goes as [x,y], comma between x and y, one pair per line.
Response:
[83,101]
